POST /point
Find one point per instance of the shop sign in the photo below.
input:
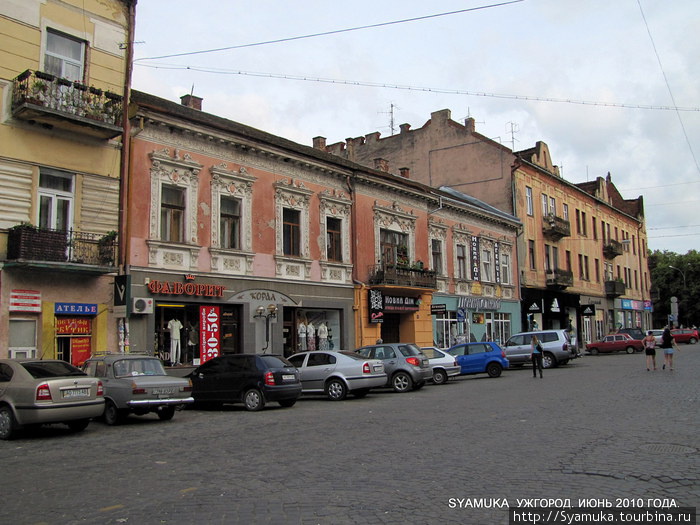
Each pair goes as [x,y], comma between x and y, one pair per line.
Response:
[475,258]
[437,309]
[400,304]
[120,292]
[497,262]
[209,333]
[479,303]
[629,304]
[648,305]
[188,288]
[534,308]
[73,326]
[554,307]
[25,301]
[80,350]
[376,306]
[588,310]
[75,308]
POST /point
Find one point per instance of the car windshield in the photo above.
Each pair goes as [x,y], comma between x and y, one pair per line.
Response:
[276,361]
[43,369]
[138,367]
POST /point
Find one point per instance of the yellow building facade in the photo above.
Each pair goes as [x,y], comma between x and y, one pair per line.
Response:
[63,73]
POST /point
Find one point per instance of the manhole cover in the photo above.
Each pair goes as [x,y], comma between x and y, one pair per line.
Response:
[666,448]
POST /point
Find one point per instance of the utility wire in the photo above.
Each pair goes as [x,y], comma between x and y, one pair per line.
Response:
[443,91]
[335,32]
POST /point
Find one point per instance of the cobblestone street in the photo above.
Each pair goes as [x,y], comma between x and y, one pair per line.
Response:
[602,427]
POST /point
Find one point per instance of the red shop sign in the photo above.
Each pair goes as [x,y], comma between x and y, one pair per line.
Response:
[210,324]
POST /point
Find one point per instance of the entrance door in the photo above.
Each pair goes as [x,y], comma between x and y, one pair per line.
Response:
[390,328]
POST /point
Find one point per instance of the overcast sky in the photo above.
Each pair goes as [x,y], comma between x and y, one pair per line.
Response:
[631,61]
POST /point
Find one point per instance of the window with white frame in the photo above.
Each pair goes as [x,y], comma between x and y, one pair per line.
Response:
[505,268]
[394,234]
[64,56]
[292,200]
[56,190]
[545,204]
[172,214]
[334,239]
[393,247]
[552,206]
[461,262]
[486,265]
[449,330]
[22,338]
[565,211]
[230,220]
[231,214]
[291,232]
[528,201]
[436,252]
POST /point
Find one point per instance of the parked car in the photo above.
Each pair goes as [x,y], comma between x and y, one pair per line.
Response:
[685,335]
[657,333]
[635,333]
[251,379]
[615,343]
[137,384]
[405,365]
[557,346]
[337,373]
[478,358]
[443,364]
[35,392]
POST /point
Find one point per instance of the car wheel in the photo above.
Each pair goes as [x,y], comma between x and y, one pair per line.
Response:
[439,376]
[336,390]
[494,370]
[166,413]
[253,400]
[593,351]
[8,426]
[692,341]
[629,349]
[401,382]
[78,425]
[286,403]
[360,393]
[548,361]
[113,416]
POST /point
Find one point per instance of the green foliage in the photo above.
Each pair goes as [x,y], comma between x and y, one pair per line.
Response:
[681,283]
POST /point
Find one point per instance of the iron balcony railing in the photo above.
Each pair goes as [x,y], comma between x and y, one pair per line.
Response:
[555,227]
[388,274]
[29,243]
[560,278]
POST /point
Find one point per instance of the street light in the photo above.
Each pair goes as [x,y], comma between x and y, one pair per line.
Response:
[268,314]
[684,287]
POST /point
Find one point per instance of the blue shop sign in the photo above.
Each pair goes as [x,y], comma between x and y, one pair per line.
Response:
[75,308]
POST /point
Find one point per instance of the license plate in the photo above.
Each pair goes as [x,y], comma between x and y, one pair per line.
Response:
[76,392]
[163,391]
[288,377]
[378,368]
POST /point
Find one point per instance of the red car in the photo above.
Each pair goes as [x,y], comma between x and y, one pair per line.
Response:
[615,343]
[685,335]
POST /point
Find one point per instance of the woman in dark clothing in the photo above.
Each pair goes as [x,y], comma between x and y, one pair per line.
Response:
[536,356]
[668,343]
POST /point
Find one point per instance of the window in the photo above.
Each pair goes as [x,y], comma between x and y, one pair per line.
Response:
[634,245]
[584,230]
[55,200]
[547,258]
[230,223]
[461,261]
[568,260]
[552,206]
[334,246]
[608,270]
[578,222]
[486,269]
[393,247]
[531,254]
[505,268]
[555,257]
[565,210]
[581,275]
[291,232]
[436,249]
[64,56]
[596,263]
[528,201]
[172,214]
[545,204]
[450,330]
[595,229]
[22,338]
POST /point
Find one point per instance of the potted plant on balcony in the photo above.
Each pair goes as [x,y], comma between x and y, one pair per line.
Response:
[105,247]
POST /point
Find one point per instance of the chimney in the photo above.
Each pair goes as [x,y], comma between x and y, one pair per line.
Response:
[404,128]
[405,172]
[381,165]
[191,101]
[470,124]
[320,143]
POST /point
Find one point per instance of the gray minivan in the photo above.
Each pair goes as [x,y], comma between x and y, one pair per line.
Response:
[557,346]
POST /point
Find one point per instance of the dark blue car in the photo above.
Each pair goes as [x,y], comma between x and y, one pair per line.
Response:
[479,358]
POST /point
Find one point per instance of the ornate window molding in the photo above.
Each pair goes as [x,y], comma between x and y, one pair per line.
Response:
[237,184]
[295,196]
[394,218]
[335,204]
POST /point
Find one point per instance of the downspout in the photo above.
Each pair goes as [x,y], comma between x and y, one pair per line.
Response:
[350,183]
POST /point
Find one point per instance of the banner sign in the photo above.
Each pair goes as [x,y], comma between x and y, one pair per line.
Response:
[588,310]
[25,301]
[209,333]
[73,326]
[437,309]
[75,308]
[474,248]
[376,306]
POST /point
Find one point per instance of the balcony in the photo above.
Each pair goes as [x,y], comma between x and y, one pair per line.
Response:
[52,102]
[28,244]
[612,249]
[615,288]
[554,228]
[388,274]
[559,279]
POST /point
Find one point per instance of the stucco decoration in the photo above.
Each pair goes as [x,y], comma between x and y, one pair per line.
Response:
[237,184]
[335,204]
[394,218]
[291,194]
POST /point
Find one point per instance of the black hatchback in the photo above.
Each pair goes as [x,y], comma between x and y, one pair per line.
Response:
[251,379]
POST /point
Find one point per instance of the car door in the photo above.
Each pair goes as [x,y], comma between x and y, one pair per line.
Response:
[209,381]
[476,358]
[518,348]
[459,352]
[319,366]
[298,361]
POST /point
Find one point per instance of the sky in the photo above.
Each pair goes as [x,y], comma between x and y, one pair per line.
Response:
[610,85]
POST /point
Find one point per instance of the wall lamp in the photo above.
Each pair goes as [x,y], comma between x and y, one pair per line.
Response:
[268,314]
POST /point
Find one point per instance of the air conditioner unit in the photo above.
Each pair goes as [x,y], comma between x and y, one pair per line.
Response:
[25,353]
[142,305]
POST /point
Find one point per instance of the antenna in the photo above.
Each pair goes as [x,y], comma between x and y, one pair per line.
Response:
[514,128]
[392,107]
[192,90]
[469,115]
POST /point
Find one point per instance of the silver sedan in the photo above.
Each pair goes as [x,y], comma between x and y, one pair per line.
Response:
[35,392]
[337,373]
[443,364]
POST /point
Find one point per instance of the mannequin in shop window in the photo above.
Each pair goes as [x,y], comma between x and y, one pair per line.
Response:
[323,336]
[311,336]
[192,341]
[301,335]
[174,327]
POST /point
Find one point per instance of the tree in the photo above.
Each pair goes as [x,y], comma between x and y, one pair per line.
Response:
[675,275]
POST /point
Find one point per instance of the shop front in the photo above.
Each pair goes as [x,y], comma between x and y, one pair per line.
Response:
[188,319]
[551,310]
[464,318]
[630,313]
[592,315]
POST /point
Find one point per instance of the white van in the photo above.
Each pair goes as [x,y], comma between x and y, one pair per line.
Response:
[557,346]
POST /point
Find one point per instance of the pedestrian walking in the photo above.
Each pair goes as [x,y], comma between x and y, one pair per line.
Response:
[650,350]
[536,356]
[668,343]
